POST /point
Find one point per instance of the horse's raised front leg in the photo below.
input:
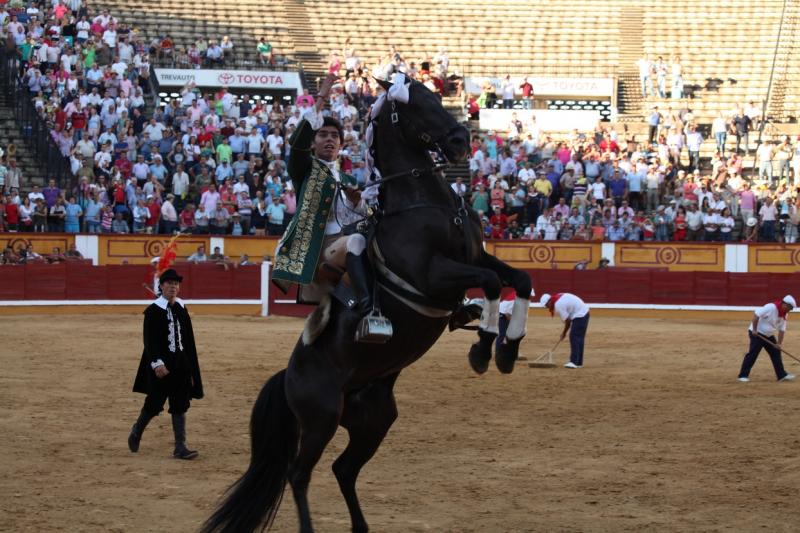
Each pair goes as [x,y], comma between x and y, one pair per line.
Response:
[315,397]
[507,352]
[446,275]
[368,414]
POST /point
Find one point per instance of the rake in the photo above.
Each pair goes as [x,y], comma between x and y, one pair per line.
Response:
[546,359]
[765,339]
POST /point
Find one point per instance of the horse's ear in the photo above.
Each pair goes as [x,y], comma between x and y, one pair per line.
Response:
[383,83]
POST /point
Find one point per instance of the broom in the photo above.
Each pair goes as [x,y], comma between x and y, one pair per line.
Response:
[546,359]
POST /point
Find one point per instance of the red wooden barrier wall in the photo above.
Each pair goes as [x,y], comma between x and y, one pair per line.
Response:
[80,281]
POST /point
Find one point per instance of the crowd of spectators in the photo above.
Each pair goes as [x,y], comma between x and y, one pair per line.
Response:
[206,162]
[597,185]
[214,162]
[25,253]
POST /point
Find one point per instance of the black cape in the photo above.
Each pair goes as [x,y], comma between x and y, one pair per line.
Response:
[156,346]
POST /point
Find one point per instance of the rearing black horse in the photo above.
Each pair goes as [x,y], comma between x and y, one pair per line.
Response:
[428,243]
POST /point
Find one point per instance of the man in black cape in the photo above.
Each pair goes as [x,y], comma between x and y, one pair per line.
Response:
[168,369]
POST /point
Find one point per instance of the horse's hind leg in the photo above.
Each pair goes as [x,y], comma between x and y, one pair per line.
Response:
[507,352]
[367,416]
[316,400]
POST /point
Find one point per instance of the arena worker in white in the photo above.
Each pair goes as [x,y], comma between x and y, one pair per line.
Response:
[575,314]
[768,321]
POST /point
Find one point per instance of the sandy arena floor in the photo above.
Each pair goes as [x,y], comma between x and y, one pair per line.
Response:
[654,434]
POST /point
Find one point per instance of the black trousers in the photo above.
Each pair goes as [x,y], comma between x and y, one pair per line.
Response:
[756,344]
[174,387]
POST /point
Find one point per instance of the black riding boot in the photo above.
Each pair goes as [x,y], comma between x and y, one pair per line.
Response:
[138,428]
[373,327]
[179,427]
[357,271]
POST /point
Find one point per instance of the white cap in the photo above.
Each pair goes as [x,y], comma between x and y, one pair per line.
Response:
[544,299]
[752,221]
[788,299]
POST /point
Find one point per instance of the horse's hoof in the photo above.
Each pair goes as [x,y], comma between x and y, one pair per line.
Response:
[506,355]
[481,352]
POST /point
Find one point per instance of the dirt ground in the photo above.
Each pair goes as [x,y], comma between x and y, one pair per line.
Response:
[653,434]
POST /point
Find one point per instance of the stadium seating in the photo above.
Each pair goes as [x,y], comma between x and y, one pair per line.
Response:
[729,40]
[245,22]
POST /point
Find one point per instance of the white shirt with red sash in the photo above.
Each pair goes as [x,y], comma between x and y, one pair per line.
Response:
[771,319]
[569,307]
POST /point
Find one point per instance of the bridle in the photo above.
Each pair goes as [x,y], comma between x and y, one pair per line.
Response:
[420,137]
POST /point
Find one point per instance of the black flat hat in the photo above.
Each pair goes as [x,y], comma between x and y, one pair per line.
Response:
[169,275]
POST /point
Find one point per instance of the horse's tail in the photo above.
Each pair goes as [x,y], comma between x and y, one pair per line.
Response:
[252,502]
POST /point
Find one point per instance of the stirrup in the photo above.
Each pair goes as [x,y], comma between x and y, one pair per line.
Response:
[374,328]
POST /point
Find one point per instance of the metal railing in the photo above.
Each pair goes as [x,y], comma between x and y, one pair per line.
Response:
[32,126]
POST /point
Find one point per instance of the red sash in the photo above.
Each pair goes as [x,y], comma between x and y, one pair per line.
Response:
[553,300]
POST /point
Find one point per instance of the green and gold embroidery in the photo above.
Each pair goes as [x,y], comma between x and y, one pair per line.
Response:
[303,237]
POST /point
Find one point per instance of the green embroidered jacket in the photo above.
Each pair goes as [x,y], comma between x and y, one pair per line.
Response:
[298,251]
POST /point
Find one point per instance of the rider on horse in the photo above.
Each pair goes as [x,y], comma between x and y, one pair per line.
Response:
[321,241]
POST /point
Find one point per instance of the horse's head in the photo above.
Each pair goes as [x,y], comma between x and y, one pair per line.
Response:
[424,123]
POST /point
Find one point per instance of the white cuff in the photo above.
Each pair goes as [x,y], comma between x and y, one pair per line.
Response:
[314,118]
[157,364]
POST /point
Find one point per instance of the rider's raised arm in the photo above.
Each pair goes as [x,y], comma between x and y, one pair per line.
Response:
[299,162]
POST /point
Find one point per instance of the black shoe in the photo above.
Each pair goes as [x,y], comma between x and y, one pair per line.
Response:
[360,282]
[182,452]
[179,428]
[136,431]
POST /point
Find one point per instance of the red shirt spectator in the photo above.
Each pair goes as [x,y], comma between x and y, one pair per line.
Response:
[124,165]
[60,119]
[479,179]
[499,220]
[497,232]
[78,120]
[60,10]
[227,198]
[187,218]
[12,214]
[155,212]
[119,193]
[688,191]
[473,109]
[204,137]
[609,145]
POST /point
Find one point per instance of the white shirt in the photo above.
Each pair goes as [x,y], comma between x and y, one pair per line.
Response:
[598,190]
[240,187]
[275,143]
[180,183]
[769,322]
[344,212]
[168,212]
[710,221]
[255,143]
[155,131]
[694,219]
[525,175]
[570,307]
[508,90]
